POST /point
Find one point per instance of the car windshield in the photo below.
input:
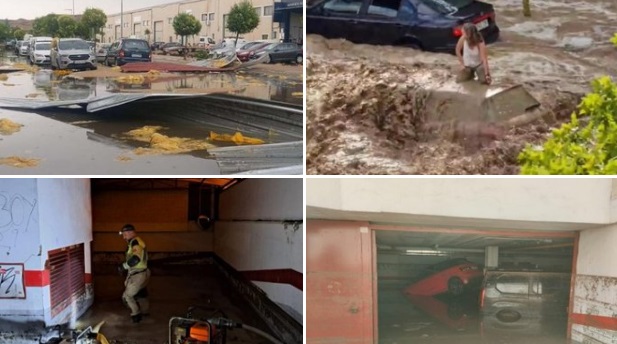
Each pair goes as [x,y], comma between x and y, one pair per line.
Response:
[42,46]
[448,6]
[136,45]
[73,45]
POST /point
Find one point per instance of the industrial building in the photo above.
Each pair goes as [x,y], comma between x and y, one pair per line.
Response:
[279,20]
[232,245]
[372,242]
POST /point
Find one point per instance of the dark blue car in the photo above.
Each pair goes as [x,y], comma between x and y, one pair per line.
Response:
[433,25]
[128,50]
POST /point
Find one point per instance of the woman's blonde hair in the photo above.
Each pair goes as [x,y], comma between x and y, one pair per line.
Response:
[472,35]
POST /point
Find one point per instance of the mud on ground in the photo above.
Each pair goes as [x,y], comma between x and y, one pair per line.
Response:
[372,110]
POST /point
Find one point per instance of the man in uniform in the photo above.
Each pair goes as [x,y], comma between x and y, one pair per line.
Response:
[136,263]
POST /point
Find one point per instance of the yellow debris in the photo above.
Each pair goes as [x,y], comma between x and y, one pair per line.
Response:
[62,72]
[4,77]
[144,134]
[123,158]
[131,79]
[8,127]
[297,94]
[163,144]
[154,72]
[19,162]
[236,138]
[116,69]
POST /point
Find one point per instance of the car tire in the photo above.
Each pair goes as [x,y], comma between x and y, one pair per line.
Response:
[299,59]
[268,59]
[455,286]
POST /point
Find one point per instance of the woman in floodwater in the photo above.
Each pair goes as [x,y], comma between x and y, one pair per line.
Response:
[473,55]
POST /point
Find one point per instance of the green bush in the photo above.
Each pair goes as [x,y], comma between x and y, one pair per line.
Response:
[202,54]
[614,39]
[576,148]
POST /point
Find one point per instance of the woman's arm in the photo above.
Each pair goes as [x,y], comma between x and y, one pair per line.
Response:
[484,56]
[459,50]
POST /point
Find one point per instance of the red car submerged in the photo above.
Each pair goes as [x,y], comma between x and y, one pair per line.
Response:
[453,276]
[247,54]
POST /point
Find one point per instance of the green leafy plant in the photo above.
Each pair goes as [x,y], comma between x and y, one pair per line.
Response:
[577,148]
[614,40]
[186,25]
[242,18]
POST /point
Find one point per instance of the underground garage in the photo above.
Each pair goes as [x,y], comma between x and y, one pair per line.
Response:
[461,260]
[223,259]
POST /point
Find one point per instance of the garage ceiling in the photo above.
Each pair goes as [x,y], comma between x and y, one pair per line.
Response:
[161,183]
[398,240]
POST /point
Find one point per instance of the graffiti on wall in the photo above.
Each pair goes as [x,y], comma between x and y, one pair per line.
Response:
[12,281]
[15,218]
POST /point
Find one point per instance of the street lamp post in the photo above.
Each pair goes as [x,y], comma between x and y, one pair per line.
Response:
[73,8]
[121,18]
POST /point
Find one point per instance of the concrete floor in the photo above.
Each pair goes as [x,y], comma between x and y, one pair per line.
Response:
[448,320]
[172,290]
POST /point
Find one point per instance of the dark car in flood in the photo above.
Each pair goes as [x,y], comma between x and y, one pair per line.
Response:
[524,303]
[432,25]
[246,54]
[128,50]
[282,52]
[452,276]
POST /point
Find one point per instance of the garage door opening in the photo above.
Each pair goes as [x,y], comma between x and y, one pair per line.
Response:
[473,286]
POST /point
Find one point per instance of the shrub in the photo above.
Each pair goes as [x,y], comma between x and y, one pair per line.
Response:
[614,39]
[576,148]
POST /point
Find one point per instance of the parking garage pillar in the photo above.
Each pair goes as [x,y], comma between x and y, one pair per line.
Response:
[491,256]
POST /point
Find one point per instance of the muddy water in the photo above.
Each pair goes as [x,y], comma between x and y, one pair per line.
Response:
[75,142]
[544,53]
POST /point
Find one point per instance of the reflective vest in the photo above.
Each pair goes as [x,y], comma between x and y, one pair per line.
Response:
[137,247]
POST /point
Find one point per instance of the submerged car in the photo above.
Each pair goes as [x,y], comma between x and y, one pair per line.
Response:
[72,53]
[453,276]
[128,50]
[524,303]
[433,25]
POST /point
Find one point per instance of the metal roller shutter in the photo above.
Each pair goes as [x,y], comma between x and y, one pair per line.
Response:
[67,276]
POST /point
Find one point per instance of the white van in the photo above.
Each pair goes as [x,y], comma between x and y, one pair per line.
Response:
[205,42]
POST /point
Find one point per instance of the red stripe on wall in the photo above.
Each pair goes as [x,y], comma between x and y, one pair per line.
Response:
[36,278]
[597,321]
[88,278]
[285,276]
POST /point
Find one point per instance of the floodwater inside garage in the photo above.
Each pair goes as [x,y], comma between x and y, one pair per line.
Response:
[404,259]
[172,290]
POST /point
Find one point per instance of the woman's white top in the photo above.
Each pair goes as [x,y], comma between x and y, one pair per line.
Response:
[471,56]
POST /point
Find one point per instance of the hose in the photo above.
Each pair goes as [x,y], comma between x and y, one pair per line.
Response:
[261,333]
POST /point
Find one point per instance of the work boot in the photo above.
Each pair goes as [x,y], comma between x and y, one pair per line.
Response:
[136,318]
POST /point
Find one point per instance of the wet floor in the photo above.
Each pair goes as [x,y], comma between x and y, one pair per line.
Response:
[76,142]
[404,319]
[172,290]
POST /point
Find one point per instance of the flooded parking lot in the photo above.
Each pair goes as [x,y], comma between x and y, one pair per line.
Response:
[105,142]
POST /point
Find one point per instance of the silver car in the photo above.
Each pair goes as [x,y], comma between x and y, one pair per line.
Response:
[101,51]
[24,48]
[40,53]
[72,53]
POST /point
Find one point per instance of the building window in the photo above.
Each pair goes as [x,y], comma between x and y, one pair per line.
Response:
[273,34]
[204,17]
[264,36]
[268,10]
[169,20]
[211,17]
[258,11]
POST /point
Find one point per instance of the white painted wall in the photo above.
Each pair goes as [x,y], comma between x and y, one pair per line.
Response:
[538,199]
[597,247]
[263,199]
[264,245]
[20,242]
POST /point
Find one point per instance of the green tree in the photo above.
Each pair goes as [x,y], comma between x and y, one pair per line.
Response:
[93,21]
[578,148]
[186,25]
[242,18]
[67,26]
[46,26]
[147,32]
[82,30]
[19,34]
[5,32]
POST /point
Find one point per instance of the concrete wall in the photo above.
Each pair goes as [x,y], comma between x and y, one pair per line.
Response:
[20,244]
[595,295]
[251,237]
[213,29]
[536,201]
[160,217]
[339,283]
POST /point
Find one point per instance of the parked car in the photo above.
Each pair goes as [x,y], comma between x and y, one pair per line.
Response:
[10,44]
[284,52]
[101,52]
[17,46]
[249,53]
[524,302]
[40,53]
[72,53]
[453,276]
[174,49]
[24,48]
[433,25]
[128,50]
[156,45]
[205,42]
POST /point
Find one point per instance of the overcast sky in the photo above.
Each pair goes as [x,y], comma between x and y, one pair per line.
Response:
[30,9]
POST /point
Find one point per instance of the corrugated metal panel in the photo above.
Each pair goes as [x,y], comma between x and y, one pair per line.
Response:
[278,158]
[67,276]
